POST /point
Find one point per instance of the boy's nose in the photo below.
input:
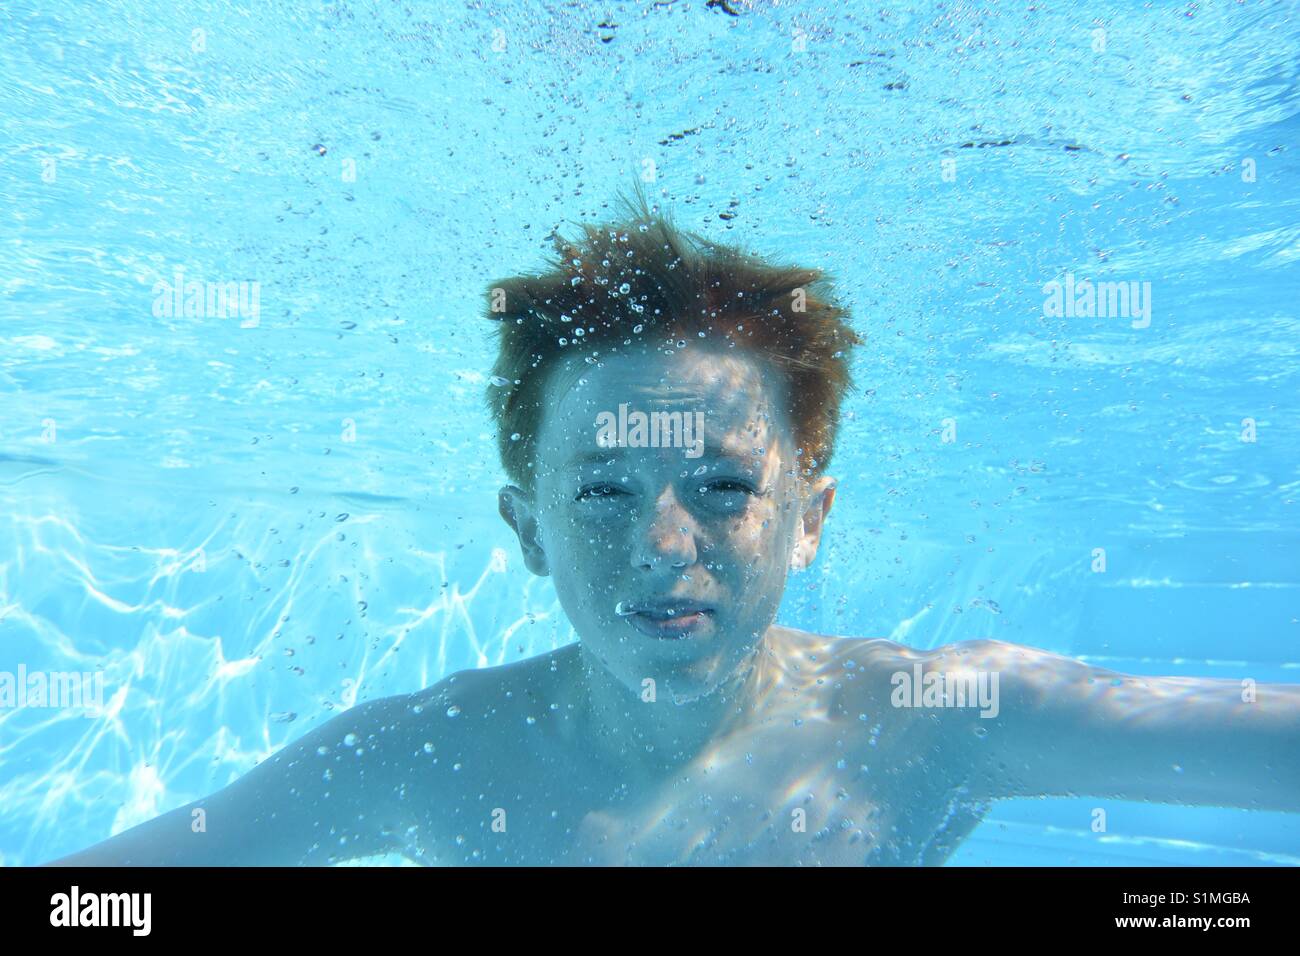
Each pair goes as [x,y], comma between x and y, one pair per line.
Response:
[665,536]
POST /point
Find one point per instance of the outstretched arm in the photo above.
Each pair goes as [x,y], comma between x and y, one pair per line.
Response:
[300,806]
[1067,728]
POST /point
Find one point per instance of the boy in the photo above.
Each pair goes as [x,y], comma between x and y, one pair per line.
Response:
[667,409]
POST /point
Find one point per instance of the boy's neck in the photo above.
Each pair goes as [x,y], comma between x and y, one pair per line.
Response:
[655,738]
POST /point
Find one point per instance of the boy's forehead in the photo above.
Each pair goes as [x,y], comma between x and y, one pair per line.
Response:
[733,390]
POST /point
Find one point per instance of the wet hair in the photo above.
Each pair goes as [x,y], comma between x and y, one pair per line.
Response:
[642,283]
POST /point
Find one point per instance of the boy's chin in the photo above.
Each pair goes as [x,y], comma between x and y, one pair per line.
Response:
[683,680]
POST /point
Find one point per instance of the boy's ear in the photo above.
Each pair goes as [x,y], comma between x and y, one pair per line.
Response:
[812,522]
[518,511]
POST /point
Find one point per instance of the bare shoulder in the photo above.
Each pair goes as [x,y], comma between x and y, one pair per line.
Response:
[996,686]
[348,788]
[869,671]
[983,652]
[473,719]
[503,688]
[847,652]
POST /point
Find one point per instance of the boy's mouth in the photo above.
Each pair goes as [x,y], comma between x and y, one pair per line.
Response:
[665,619]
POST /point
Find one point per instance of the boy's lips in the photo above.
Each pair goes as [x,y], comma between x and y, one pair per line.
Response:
[665,618]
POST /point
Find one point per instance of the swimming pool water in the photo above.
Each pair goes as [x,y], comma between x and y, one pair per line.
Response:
[249,525]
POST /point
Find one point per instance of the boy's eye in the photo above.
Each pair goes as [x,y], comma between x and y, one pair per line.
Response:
[598,491]
[728,485]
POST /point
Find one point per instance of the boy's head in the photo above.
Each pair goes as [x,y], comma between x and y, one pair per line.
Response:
[666,408]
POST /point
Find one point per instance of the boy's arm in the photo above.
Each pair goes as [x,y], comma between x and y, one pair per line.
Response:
[1067,728]
[298,806]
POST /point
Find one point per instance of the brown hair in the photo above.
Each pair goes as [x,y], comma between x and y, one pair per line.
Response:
[641,278]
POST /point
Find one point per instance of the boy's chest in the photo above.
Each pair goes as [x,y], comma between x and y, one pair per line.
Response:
[818,793]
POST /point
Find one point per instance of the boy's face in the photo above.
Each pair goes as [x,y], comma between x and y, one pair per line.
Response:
[632,533]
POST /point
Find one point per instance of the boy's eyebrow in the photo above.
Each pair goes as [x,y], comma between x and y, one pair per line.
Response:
[606,455]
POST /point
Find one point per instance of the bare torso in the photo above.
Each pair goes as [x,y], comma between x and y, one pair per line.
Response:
[810,763]
[824,772]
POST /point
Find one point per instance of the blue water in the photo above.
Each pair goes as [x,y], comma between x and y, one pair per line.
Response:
[251,526]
